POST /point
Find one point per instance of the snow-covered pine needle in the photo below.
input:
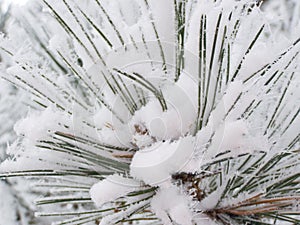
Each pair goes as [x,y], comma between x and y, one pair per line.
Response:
[156,112]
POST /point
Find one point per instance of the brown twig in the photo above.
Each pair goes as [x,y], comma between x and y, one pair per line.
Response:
[252,211]
[274,204]
[123,156]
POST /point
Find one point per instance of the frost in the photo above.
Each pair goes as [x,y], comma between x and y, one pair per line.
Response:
[36,126]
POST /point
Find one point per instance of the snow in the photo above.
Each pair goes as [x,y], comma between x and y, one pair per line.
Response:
[155,164]
[178,119]
[161,142]
[142,141]
[171,202]
[111,188]
[235,136]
